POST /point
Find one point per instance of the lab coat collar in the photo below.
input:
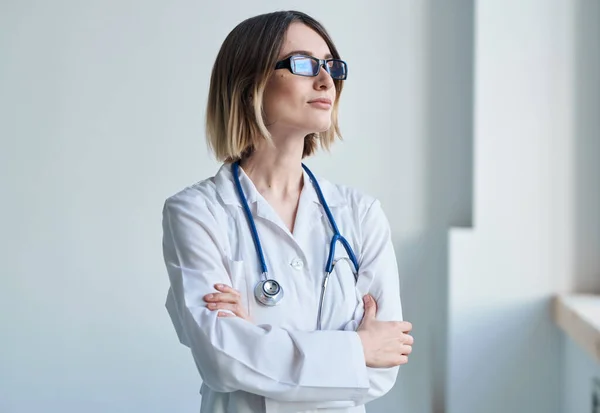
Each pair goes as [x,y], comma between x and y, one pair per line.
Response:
[225,187]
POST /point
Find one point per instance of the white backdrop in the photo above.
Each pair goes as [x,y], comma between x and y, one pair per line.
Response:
[101,119]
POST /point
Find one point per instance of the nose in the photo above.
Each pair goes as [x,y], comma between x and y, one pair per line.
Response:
[323,80]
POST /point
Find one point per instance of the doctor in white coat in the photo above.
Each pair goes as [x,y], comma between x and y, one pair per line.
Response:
[277,320]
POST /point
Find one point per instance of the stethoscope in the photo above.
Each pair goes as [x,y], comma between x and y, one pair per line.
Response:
[268,291]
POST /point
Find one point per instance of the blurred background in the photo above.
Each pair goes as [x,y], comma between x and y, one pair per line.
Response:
[476,123]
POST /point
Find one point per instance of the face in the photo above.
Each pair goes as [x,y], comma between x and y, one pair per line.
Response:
[289,99]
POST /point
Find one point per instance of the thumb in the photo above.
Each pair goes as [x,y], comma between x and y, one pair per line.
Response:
[370,307]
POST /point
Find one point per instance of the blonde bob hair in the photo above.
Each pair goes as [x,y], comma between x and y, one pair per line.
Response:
[246,60]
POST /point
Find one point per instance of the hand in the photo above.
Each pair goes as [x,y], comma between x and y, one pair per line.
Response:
[226,299]
[385,343]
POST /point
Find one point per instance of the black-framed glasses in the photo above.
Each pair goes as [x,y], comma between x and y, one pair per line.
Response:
[311,66]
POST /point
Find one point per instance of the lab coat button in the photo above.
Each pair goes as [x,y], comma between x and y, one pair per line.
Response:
[297,264]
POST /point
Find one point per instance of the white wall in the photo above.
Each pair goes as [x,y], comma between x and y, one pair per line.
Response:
[536,220]
[442,197]
[578,368]
[585,214]
[101,118]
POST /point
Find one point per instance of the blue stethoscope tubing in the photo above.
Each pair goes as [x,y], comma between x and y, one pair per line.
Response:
[268,291]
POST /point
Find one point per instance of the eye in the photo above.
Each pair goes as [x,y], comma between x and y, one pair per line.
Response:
[303,64]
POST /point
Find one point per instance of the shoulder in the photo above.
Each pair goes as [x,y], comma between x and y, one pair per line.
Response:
[357,201]
[200,199]
[200,193]
[209,191]
[193,219]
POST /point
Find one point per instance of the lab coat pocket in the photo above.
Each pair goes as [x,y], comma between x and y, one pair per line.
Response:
[237,273]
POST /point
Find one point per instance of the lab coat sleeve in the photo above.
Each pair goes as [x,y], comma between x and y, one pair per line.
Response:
[232,354]
[378,275]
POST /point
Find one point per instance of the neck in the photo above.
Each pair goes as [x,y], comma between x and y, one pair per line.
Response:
[276,170]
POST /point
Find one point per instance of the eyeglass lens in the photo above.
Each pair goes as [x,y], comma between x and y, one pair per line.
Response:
[307,66]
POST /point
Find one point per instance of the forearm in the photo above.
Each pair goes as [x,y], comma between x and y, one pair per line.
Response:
[318,366]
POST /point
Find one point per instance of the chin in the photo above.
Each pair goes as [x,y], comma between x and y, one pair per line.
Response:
[321,127]
[314,124]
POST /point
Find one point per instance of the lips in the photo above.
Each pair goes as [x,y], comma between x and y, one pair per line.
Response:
[321,100]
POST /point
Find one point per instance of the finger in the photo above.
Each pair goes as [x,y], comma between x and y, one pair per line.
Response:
[406,326]
[222,306]
[221,314]
[406,350]
[222,297]
[370,306]
[227,289]
[234,308]
[408,339]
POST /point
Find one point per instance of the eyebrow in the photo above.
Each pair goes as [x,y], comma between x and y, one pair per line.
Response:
[305,52]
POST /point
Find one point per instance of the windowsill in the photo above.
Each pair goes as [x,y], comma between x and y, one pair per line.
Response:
[578,315]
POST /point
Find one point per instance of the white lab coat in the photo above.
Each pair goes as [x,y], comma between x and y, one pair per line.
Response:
[279,363]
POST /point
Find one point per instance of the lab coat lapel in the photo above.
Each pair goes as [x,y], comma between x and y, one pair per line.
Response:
[308,215]
[311,212]
[265,211]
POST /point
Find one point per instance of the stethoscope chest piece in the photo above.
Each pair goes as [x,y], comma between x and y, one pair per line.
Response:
[268,292]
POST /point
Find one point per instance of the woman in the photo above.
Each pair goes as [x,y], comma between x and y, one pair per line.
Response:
[246,250]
